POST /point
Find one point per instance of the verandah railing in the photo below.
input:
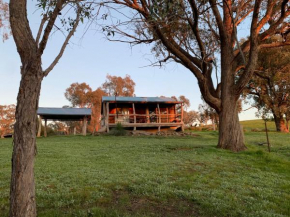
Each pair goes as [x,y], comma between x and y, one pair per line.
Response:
[144,118]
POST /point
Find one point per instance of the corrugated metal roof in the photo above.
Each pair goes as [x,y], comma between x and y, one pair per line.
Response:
[139,99]
[64,111]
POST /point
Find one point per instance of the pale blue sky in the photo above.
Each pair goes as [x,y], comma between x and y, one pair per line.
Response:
[89,60]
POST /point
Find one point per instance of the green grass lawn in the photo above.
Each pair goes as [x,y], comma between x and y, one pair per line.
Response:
[156,176]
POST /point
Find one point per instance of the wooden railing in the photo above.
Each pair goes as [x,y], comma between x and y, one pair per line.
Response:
[143,118]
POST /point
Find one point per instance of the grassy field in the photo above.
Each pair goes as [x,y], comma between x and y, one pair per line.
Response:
[156,176]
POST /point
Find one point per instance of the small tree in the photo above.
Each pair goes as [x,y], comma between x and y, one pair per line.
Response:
[31,49]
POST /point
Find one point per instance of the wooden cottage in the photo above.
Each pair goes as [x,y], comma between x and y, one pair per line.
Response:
[142,112]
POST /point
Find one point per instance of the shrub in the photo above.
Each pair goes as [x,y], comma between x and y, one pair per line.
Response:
[119,130]
[256,130]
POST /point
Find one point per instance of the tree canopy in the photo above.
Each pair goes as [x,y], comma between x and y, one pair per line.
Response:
[116,85]
[269,89]
[4,17]
[7,119]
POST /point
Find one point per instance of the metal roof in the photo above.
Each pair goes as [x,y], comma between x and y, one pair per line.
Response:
[64,113]
[139,99]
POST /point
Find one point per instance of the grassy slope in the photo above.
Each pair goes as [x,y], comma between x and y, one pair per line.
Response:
[258,124]
[129,176]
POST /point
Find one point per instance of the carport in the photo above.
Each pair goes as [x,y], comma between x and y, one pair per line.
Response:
[63,114]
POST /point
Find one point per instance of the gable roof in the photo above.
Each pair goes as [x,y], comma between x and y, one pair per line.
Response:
[139,99]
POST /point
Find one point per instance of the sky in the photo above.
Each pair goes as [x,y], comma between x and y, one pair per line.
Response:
[89,58]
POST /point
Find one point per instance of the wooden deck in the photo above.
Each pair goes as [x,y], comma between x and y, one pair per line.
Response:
[170,118]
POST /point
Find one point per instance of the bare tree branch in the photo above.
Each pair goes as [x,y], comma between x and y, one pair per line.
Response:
[44,19]
[49,26]
[71,33]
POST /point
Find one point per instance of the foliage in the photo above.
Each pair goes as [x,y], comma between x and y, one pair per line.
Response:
[182,98]
[269,89]
[164,176]
[59,127]
[4,20]
[118,86]
[207,113]
[95,99]
[189,117]
[119,130]
[7,119]
[77,94]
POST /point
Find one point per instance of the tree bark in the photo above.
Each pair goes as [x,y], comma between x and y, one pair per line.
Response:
[231,135]
[22,189]
[280,124]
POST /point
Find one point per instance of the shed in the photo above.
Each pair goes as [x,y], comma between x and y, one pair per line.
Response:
[63,114]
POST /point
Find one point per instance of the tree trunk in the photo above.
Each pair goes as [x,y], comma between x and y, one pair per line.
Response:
[231,135]
[280,124]
[22,189]
[213,124]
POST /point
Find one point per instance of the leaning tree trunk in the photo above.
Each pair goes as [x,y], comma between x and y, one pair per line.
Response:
[22,189]
[280,124]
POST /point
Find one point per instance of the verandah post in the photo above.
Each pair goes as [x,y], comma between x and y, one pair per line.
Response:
[45,126]
[85,126]
[182,126]
[107,118]
[159,117]
[134,113]
[39,127]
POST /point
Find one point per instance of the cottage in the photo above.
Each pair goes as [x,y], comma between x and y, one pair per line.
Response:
[142,112]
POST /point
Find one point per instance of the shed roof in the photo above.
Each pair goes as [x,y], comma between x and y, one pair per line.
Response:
[139,99]
[64,113]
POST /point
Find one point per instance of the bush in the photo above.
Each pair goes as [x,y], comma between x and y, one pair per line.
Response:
[256,130]
[118,131]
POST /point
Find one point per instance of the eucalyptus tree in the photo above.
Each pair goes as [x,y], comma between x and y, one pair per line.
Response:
[269,88]
[67,13]
[194,33]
